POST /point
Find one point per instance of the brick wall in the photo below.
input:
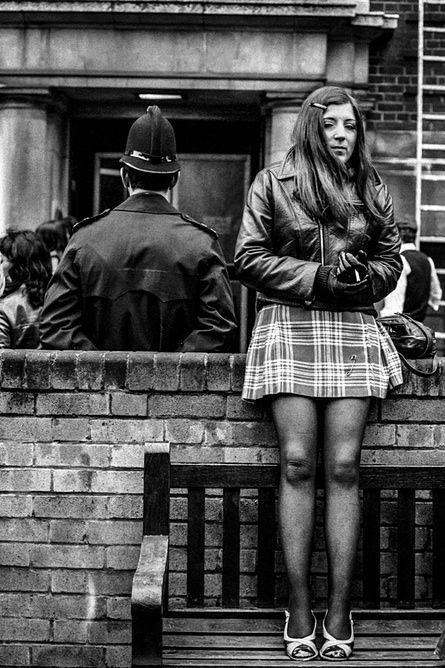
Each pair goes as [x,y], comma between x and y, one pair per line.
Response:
[393,66]
[73,428]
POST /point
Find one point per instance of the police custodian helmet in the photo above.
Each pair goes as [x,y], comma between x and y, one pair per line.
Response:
[151,144]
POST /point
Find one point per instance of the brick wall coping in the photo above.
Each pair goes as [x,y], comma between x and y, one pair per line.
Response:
[42,370]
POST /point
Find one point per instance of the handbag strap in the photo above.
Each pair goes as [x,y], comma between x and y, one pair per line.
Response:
[419,372]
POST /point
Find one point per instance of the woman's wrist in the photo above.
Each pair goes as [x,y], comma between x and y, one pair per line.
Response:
[321,288]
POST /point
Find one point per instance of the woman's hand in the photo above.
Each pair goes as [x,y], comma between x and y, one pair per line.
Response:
[340,288]
[352,269]
[328,284]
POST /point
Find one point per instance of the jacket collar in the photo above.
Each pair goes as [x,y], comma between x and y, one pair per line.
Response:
[408,247]
[147,203]
[286,168]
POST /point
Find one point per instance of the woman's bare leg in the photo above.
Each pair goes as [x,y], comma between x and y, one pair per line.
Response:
[344,423]
[295,419]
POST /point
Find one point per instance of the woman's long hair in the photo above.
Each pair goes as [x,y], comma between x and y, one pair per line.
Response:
[55,234]
[321,181]
[31,263]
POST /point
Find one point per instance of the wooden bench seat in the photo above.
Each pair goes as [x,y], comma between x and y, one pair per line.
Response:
[253,642]
[248,632]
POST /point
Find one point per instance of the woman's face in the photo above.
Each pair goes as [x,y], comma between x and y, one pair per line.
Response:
[5,265]
[340,129]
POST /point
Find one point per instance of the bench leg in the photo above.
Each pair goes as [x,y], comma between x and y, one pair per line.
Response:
[147,638]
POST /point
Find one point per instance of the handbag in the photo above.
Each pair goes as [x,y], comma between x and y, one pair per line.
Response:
[412,340]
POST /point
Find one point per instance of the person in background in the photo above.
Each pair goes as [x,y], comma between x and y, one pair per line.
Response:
[142,276]
[418,286]
[319,245]
[55,234]
[25,271]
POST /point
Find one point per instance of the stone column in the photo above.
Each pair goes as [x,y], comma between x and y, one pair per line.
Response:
[280,119]
[33,158]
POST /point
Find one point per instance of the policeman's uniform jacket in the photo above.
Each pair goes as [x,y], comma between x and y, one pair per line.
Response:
[141,276]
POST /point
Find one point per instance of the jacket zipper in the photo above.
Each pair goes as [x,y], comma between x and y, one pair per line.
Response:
[308,302]
[320,232]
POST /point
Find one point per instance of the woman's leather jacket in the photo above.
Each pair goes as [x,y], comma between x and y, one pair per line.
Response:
[19,321]
[280,247]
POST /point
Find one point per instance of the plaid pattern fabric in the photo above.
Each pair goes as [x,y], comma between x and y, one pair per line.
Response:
[319,354]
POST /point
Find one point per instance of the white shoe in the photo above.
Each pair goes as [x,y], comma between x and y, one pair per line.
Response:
[334,649]
[300,649]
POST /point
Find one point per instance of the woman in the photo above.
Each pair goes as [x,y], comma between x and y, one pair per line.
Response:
[319,244]
[55,234]
[26,269]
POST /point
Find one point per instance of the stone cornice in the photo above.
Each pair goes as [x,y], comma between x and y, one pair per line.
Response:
[300,7]
[324,15]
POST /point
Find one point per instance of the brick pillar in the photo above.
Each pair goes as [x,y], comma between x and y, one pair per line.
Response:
[33,158]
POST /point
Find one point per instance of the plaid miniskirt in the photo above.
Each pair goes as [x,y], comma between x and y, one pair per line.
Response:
[319,354]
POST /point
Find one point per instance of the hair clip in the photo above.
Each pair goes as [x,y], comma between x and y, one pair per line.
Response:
[319,106]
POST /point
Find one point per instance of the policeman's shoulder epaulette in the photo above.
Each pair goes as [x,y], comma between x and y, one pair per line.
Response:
[201,226]
[88,221]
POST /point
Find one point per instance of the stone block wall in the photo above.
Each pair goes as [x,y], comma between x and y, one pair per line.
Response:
[73,427]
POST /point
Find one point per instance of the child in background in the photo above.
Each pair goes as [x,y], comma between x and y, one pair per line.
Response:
[25,268]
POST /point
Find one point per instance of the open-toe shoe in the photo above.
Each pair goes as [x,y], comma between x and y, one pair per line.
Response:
[300,649]
[334,649]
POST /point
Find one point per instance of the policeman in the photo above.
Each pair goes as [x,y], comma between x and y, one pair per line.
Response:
[142,276]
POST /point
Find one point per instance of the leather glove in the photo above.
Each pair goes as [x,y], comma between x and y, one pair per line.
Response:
[352,269]
[327,285]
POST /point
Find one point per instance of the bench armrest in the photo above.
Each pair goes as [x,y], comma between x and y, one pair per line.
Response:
[146,601]
[150,573]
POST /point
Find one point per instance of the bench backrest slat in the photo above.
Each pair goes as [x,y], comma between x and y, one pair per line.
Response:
[267,542]
[439,548]
[225,475]
[231,547]
[371,547]
[406,568]
[195,546]
[253,476]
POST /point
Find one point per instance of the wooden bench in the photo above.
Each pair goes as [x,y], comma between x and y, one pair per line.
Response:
[232,634]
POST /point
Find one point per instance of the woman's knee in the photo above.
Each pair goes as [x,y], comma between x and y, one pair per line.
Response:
[343,472]
[298,469]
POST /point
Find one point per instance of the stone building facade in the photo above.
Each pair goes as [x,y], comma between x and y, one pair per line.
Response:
[72,75]
[65,66]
